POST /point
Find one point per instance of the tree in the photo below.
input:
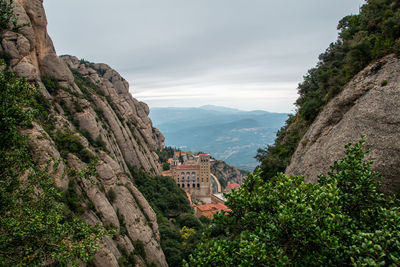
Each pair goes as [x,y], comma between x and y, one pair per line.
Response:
[344,220]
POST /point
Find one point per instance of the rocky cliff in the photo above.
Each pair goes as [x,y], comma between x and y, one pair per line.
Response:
[368,105]
[226,173]
[90,114]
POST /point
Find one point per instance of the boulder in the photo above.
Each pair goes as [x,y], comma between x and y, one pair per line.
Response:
[368,105]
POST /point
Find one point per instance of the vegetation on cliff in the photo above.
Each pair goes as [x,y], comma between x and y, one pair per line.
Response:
[179,229]
[344,220]
[362,38]
[35,226]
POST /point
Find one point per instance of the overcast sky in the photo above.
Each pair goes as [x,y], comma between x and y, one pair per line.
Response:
[247,54]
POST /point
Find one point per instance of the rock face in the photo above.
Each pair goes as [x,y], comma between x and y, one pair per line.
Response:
[90,103]
[368,105]
[226,173]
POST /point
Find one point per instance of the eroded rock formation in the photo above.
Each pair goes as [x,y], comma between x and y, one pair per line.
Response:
[226,173]
[92,104]
[368,105]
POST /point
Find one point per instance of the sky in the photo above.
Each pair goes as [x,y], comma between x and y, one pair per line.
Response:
[245,54]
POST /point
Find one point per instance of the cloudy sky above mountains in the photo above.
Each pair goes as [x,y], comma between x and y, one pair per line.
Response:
[247,54]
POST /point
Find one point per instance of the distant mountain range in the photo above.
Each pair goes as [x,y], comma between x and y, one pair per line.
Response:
[227,134]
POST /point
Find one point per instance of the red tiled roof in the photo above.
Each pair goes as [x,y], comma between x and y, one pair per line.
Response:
[187,167]
[190,199]
[170,160]
[233,185]
[204,154]
[167,173]
[211,207]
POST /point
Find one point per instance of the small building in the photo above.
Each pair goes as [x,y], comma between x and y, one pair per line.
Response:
[209,210]
[231,186]
[218,198]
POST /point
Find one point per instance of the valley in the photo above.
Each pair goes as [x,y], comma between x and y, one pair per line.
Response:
[228,134]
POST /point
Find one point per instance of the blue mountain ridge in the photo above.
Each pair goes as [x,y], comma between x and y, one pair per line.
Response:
[228,134]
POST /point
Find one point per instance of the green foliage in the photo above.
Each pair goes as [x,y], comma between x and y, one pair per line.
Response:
[68,142]
[372,34]
[166,153]
[8,21]
[111,195]
[72,199]
[162,193]
[86,85]
[344,220]
[166,166]
[126,260]
[15,93]
[139,248]
[204,220]
[189,220]
[6,14]
[51,84]
[34,227]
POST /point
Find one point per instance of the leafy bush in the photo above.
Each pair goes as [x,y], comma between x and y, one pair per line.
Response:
[51,84]
[189,220]
[139,248]
[111,195]
[8,21]
[68,142]
[344,220]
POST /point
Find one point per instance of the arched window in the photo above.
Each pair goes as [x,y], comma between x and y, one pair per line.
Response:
[193,176]
[178,180]
[188,176]
[183,185]
[179,185]
[183,176]
[198,186]
[194,185]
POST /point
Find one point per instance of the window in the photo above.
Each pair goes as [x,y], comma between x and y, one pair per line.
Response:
[183,185]
[194,185]
[179,185]
[178,180]
[198,185]
[198,179]
[188,185]
[202,180]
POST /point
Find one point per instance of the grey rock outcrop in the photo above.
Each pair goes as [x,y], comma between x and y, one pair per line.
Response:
[368,105]
[107,121]
[226,173]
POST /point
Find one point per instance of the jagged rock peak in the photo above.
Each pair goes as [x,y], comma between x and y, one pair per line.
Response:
[368,105]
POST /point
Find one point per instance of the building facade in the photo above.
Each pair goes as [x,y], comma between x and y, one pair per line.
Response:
[192,174]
